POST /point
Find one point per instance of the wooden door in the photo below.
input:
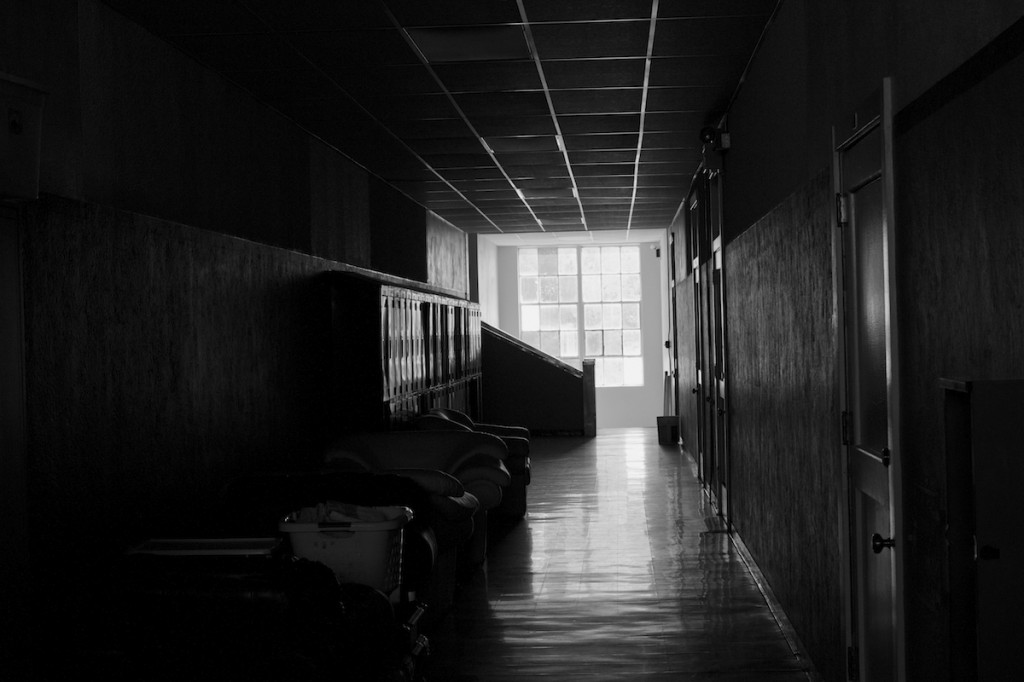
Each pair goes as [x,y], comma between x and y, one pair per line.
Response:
[863,174]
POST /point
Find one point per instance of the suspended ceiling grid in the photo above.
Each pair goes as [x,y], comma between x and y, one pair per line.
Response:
[502,116]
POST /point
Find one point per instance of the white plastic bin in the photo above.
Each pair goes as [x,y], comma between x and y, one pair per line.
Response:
[360,544]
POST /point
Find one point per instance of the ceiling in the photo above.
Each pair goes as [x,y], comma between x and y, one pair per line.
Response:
[501,116]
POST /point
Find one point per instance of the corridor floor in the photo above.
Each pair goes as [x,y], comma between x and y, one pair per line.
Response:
[620,571]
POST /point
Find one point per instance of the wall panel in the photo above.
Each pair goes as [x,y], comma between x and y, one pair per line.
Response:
[783,413]
[447,256]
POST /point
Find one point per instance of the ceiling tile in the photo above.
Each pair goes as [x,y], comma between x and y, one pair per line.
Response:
[586,10]
[523,143]
[579,124]
[607,101]
[594,73]
[626,141]
[603,156]
[591,40]
[512,104]
[716,8]
[489,77]
[504,126]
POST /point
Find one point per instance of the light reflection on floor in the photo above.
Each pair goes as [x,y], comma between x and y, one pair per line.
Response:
[618,572]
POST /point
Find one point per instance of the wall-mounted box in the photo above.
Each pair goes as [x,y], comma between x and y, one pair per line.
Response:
[21,113]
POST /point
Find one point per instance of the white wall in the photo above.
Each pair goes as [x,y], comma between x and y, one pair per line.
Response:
[487,281]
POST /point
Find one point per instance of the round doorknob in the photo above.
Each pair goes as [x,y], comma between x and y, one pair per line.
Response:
[878,543]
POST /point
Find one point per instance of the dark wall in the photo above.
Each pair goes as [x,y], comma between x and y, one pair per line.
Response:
[161,359]
[132,123]
[163,136]
[819,61]
[960,239]
[398,233]
[958,226]
[784,425]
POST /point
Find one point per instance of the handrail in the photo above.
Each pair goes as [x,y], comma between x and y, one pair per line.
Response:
[530,350]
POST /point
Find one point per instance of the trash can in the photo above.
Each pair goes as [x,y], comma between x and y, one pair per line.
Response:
[668,430]
[360,544]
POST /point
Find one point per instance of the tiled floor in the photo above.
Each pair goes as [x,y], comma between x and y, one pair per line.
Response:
[619,572]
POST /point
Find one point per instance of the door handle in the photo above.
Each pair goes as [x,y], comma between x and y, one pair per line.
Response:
[878,543]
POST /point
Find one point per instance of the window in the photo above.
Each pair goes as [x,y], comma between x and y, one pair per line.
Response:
[584,302]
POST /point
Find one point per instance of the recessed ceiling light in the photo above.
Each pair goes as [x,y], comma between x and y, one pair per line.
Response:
[471,43]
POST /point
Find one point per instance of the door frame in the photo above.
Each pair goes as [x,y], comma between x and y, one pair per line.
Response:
[877,112]
[705,230]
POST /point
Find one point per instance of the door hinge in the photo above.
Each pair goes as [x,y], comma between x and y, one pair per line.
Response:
[852,663]
[842,209]
[845,418]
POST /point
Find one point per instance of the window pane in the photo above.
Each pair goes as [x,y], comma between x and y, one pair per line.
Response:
[613,372]
[630,259]
[595,345]
[547,261]
[611,288]
[610,260]
[529,290]
[548,317]
[549,343]
[631,287]
[527,261]
[599,372]
[570,344]
[591,256]
[532,338]
[612,314]
[567,261]
[592,317]
[549,290]
[529,318]
[591,287]
[568,289]
[633,371]
[631,342]
[630,315]
[613,342]
[568,318]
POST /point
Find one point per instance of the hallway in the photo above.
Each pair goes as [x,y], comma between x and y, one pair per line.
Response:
[619,572]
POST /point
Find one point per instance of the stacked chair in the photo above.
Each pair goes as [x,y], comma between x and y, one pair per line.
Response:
[460,470]
[516,440]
